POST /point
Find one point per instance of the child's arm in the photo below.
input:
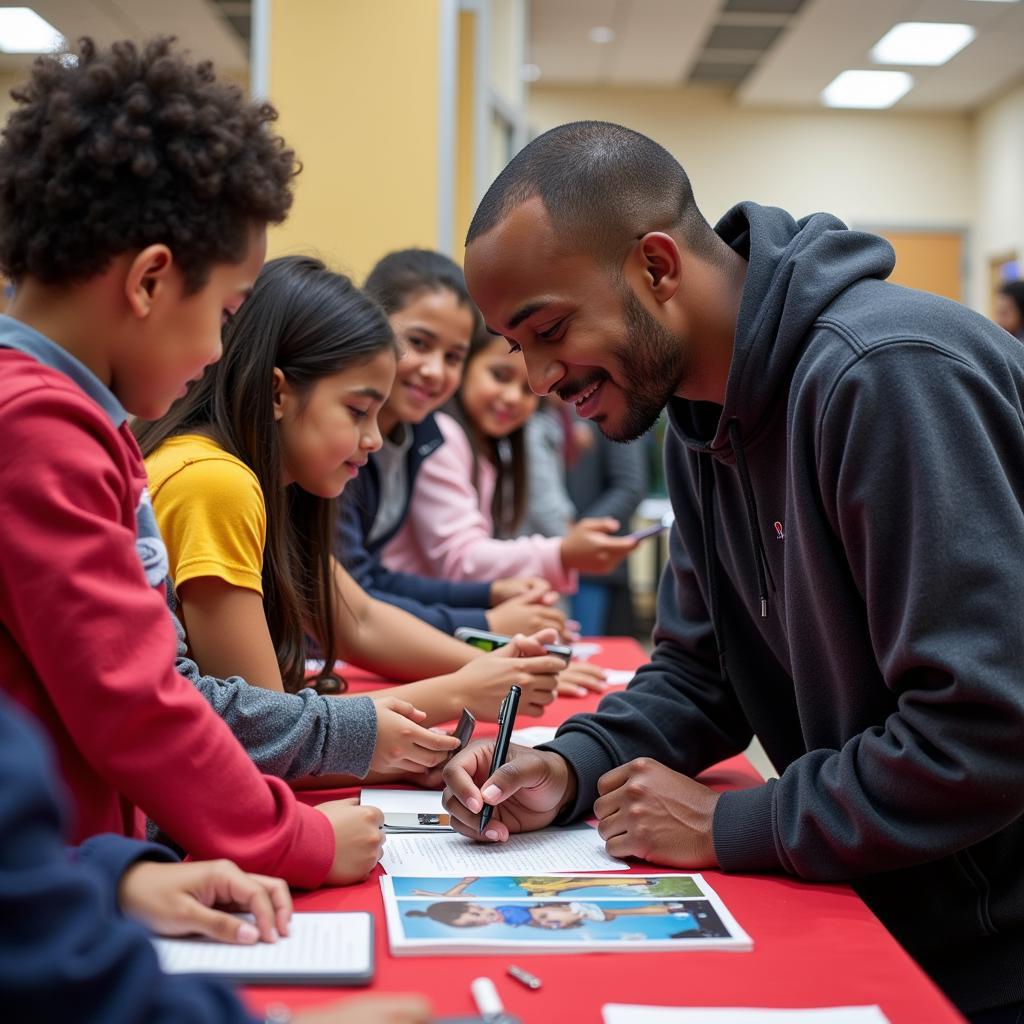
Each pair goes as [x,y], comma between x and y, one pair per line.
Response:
[297,735]
[291,735]
[65,953]
[389,641]
[75,602]
[227,631]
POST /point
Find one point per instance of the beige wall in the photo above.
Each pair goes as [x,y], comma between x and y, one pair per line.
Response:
[7,82]
[894,170]
[999,185]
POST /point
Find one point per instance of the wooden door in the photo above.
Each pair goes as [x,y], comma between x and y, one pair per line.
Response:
[930,260]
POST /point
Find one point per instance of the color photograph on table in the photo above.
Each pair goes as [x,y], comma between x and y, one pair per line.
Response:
[557,886]
[604,920]
[555,913]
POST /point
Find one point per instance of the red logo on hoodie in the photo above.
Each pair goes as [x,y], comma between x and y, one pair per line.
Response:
[779,534]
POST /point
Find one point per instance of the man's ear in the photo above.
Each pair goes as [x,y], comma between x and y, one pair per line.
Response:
[660,264]
[282,394]
[148,278]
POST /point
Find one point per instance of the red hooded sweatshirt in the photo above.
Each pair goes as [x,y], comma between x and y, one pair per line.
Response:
[86,641]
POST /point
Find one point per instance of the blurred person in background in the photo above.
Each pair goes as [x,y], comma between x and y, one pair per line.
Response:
[1010,308]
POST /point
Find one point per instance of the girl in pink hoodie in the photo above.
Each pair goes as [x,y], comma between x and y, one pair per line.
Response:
[470,496]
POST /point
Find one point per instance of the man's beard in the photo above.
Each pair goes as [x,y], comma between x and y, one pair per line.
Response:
[653,363]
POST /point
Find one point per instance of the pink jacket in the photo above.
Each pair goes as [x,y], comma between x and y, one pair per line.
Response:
[449,533]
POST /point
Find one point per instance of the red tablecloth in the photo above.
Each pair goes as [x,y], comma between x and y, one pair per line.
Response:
[814,945]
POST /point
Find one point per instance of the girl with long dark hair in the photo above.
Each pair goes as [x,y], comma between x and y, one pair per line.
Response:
[243,472]
[470,498]
[428,307]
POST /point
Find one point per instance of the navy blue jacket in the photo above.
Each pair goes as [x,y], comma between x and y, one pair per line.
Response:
[66,953]
[444,605]
[846,581]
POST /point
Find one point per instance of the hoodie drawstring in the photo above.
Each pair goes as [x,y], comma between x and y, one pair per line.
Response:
[706,478]
[760,560]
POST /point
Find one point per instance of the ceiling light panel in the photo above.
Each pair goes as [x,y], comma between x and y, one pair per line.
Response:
[867,90]
[24,31]
[922,42]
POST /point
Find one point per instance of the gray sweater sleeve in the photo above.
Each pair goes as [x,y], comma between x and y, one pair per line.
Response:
[549,509]
[290,735]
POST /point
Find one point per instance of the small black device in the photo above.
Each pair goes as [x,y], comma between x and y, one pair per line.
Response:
[464,730]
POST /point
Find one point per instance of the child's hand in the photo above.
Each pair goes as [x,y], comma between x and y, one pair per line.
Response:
[523,663]
[590,548]
[525,614]
[536,587]
[371,1010]
[178,899]
[404,745]
[358,839]
[580,678]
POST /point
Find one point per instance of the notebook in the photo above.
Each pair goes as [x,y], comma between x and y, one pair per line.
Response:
[320,948]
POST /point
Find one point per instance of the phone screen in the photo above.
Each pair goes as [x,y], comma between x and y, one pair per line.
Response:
[483,643]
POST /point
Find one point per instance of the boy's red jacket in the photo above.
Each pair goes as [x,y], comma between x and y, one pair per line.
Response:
[87,645]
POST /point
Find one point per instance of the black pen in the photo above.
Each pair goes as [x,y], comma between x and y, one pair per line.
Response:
[506,723]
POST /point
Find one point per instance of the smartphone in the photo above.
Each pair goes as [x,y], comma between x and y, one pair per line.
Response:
[492,641]
[651,531]
[464,730]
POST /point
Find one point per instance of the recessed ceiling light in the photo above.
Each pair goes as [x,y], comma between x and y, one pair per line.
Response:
[921,42]
[871,90]
[601,34]
[23,31]
[529,72]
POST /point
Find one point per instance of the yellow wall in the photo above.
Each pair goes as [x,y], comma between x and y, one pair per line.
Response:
[356,84]
[465,135]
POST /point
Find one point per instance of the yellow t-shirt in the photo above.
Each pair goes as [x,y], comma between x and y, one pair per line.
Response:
[210,511]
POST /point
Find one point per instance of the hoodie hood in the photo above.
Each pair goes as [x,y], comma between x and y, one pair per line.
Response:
[796,270]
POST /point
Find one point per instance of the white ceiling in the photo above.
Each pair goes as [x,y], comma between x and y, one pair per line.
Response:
[773,56]
[656,41]
[198,25]
[662,42]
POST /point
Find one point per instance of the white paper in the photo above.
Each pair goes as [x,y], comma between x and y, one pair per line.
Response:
[404,801]
[317,943]
[618,676]
[626,1013]
[555,849]
[585,650]
[534,735]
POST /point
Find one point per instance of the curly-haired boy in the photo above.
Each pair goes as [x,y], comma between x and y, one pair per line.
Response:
[135,191]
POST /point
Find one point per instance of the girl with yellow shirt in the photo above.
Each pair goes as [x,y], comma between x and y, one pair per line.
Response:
[243,472]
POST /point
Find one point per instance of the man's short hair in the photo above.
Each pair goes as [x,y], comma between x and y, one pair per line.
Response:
[110,150]
[602,185]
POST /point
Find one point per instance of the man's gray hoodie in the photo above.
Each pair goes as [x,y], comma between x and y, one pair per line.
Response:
[847,582]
